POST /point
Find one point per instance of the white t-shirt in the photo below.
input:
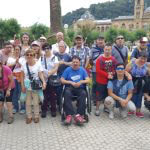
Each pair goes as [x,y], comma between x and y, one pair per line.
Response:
[34,70]
[55,48]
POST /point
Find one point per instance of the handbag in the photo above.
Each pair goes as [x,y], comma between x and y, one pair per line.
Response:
[54,80]
[35,84]
[2,96]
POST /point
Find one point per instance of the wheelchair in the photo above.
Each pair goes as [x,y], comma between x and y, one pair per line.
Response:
[88,103]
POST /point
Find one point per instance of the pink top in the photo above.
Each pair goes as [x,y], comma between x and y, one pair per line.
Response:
[6,72]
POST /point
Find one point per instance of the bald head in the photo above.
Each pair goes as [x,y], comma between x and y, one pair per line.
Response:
[59,36]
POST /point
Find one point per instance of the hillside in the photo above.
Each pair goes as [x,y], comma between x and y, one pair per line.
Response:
[107,10]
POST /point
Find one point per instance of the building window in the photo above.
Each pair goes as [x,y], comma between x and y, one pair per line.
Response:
[123,25]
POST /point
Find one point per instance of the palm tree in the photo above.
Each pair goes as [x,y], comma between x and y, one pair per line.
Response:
[55,16]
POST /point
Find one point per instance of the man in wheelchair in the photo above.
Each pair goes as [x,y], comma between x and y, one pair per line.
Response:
[75,78]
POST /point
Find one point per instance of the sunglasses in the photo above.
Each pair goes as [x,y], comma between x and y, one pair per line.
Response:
[47,48]
[31,55]
[119,68]
[120,38]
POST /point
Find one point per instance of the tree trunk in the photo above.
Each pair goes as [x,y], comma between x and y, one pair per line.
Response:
[55,16]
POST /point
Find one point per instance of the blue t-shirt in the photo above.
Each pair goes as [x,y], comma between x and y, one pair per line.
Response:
[123,92]
[75,75]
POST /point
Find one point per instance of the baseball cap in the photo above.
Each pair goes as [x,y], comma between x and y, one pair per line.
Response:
[144,39]
[79,37]
[35,43]
[42,38]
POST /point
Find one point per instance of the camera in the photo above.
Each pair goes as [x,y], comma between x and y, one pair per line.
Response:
[36,85]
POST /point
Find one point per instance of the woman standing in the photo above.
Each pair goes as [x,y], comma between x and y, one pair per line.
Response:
[50,64]
[31,74]
[138,69]
[14,63]
[6,91]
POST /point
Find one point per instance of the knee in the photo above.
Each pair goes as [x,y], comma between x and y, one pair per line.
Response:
[67,92]
[132,106]
[109,101]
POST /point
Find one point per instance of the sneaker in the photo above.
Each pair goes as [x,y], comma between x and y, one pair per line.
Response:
[131,113]
[53,114]
[1,117]
[14,111]
[22,111]
[28,120]
[97,112]
[106,110]
[10,120]
[79,119]
[36,120]
[139,114]
[43,114]
[111,115]
[68,120]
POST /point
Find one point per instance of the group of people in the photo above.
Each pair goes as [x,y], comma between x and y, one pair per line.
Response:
[32,75]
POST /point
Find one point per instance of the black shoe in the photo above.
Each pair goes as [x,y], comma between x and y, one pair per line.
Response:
[43,114]
[53,114]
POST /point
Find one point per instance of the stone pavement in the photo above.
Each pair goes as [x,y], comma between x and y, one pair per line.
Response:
[100,133]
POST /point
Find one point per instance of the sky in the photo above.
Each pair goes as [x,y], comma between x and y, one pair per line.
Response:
[28,12]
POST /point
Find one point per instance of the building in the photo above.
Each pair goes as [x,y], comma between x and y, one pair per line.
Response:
[140,19]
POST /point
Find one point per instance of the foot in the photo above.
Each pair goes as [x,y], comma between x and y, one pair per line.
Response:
[43,114]
[10,120]
[97,112]
[22,111]
[79,119]
[36,120]
[14,111]
[1,117]
[111,115]
[28,120]
[53,114]
[140,114]
[131,113]
[68,120]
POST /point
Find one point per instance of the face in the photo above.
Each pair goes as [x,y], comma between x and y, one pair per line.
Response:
[42,41]
[62,47]
[120,40]
[100,42]
[120,70]
[29,57]
[143,45]
[8,49]
[47,51]
[25,38]
[75,63]
[17,50]
[36,48]
[107,50]
[79,42]
[60,37]
[142,60]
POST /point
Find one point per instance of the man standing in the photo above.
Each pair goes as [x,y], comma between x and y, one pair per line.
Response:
[55,47]
[120,51]
[105,69]
[95,52]
[120,93]
[81,51]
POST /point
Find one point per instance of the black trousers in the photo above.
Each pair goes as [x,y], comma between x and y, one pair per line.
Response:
[81,97]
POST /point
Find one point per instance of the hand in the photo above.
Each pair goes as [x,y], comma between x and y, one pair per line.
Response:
[123,103]
[78,84]
[7,93]
[61,62]
[129,77]
[110,76]
[73,84]
[44,86]
[23,90]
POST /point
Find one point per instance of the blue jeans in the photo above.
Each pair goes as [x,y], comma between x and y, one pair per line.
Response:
[16,96]
[137,99]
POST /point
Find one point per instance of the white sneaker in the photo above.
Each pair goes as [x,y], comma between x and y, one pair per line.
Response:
[97,112]
[111,115]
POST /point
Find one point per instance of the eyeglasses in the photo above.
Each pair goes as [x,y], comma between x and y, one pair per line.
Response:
[8,47]
[120,38]
[120,68]
[31,55]
[47,48]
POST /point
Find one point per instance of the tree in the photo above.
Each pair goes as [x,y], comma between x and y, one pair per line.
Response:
[139,34]
[39,29]
[55,16]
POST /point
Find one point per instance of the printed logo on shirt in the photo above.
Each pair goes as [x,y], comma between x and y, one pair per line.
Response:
[74,78]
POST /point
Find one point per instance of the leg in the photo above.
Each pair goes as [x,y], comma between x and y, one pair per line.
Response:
[28,104]
[1,111]
[81,101]
[68,102]
[131,106]
[94,87]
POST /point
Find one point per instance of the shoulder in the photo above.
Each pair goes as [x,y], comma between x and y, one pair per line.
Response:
[7,69]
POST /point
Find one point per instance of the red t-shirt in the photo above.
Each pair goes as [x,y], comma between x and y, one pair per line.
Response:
[103,66]
[6,72]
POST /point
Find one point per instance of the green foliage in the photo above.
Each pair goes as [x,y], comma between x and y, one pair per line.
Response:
[107,10]
[139,34]
[39,29]
[111,35]
[8,28]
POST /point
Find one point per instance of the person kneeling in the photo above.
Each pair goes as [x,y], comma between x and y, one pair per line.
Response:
[74,78]
[120,93]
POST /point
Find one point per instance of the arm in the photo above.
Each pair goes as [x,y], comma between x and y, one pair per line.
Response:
[42,78]
[146,95]
[63,81]
[10,83]
[53,71]
[22,82]
[87,62]
[114,96]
